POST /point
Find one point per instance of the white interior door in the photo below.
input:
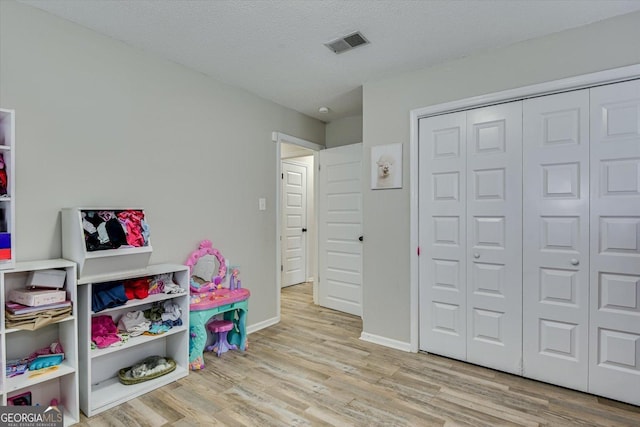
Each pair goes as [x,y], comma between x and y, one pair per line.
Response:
[442,224]
[340,227]
[556,238]
[294,223]
[494,236]
[614,334]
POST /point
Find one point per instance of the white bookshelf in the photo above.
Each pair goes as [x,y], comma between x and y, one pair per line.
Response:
[100,388]
[62,383]
[7,201]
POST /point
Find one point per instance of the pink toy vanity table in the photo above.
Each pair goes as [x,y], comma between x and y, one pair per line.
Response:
[234,305]
[209,298]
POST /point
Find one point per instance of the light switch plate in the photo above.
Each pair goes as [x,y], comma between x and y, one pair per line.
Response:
[262,204]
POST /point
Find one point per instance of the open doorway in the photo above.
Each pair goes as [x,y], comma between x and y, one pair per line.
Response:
[297,157]
[297,215]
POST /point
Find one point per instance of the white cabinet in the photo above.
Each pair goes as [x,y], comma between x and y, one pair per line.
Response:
[98,262]
[565,210]
[100,388]
[62,383]
[7,186]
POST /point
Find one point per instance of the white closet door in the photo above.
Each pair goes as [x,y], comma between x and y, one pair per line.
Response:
[442,162]
[494,237]
[614,341]
[556,238]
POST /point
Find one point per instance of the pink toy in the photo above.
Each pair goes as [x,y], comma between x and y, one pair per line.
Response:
[206,248]
[213,299]
[3,176]
[220,328]
[234,281]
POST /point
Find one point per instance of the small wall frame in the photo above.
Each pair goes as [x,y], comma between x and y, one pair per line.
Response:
[386,166]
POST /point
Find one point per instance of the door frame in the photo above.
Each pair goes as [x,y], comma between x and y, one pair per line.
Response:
[572,83]
[278,138]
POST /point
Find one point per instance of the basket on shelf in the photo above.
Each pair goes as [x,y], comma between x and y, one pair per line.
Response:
[132,374]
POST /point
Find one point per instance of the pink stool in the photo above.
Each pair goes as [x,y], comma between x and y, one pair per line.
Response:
[220,328]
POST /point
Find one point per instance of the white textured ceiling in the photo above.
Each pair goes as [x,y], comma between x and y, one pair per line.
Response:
[274,48]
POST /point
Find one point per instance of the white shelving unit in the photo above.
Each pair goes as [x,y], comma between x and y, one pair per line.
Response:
[61,384]
[7,201]
[101,262]
[100,388]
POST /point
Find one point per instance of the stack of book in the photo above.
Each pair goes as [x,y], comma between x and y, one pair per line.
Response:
[42,301]
[16,308]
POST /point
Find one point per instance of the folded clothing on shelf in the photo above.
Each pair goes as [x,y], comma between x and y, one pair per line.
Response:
[137,288]
[134,323]
[108,295]
[104,331]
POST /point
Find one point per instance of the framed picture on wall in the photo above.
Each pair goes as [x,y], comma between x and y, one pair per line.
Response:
[386,166]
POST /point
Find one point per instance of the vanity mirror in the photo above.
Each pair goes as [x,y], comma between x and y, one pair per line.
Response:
[207,267]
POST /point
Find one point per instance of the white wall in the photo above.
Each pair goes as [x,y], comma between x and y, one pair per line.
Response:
[100,123]
[344,131]
[387,103]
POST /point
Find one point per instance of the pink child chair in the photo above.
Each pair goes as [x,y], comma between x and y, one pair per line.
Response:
[220,329]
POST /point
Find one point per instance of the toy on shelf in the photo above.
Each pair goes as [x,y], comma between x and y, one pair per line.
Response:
[22,399]
[4,182]
[39,360]
[234,278]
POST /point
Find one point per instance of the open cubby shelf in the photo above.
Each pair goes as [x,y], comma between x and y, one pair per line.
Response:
[62,383]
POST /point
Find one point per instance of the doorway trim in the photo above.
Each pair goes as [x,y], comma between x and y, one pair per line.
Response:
[572,83]
[278,138]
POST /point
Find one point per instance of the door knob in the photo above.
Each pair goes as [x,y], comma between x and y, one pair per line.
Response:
[361,238]
[574,261]
[304,230]
[476,255]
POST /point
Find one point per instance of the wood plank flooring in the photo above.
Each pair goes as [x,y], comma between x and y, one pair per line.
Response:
[313,370]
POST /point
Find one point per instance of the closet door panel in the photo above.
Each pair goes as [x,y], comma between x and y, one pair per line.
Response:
[442,158]
[555,238]
[494,236]
[614,341]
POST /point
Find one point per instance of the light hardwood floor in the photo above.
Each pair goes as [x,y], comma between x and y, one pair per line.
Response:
[312,369]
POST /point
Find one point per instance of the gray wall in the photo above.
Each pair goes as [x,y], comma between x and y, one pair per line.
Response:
[344,131]
[99,123]
[387,103]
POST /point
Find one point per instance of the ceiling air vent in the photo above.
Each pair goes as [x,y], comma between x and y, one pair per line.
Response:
[347,42]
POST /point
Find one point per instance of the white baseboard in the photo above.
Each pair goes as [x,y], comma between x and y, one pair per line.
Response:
[264,324]
[387,342]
